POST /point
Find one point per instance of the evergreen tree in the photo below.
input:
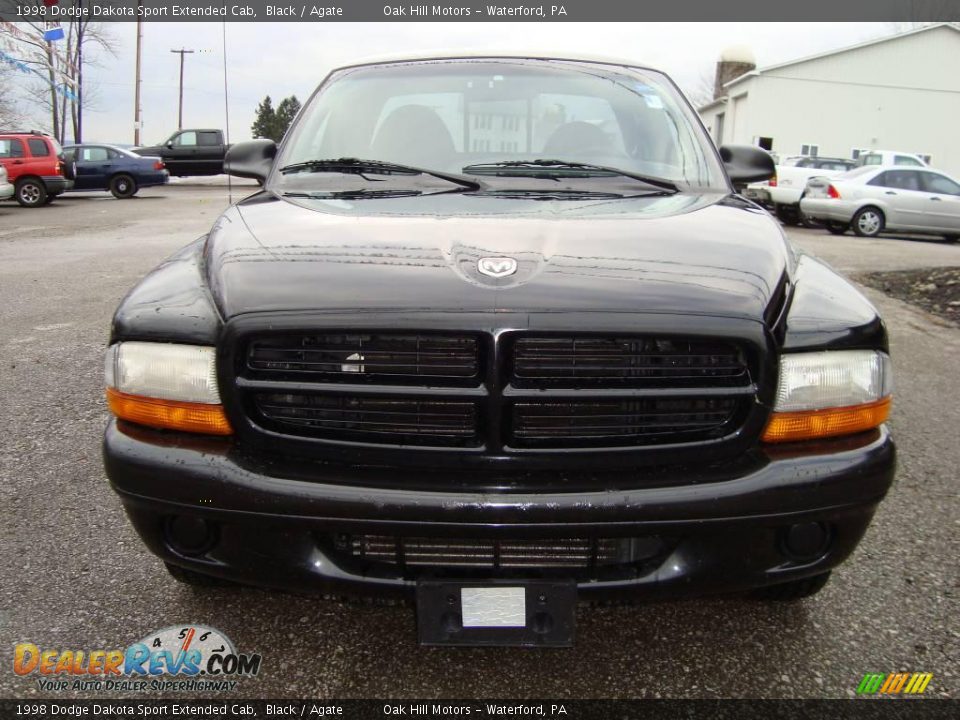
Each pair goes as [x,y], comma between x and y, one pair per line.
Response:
[286,111]
[265,123]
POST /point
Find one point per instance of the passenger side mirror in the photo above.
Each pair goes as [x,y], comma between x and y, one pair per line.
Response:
[169,144]
[747,164]
[252,159]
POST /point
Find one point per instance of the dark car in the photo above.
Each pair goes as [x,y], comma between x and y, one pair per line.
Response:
[190,152]
[498,334]
[36,166]
[105,167]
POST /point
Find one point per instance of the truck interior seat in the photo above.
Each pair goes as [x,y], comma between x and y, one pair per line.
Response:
[414,134]
[577,138]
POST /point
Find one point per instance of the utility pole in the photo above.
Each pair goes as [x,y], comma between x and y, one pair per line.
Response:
[181,52]
[81,31]
[136,91]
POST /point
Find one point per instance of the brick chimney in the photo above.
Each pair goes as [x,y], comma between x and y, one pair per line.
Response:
[734,62]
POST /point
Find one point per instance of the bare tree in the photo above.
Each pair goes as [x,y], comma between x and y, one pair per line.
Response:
[10,115]
[84,42]
[43,59]
[700,92]
[58,68]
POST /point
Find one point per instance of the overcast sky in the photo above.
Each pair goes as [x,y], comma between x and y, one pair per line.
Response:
[282,59]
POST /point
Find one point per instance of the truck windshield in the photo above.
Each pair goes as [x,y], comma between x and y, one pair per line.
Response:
[455,115]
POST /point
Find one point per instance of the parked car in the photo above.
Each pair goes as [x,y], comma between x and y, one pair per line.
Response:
[106,167]
[36,166]
[190,152]
[872,199]
[890,157]
[6,187]
[787,187]
[758,192]
[497,371]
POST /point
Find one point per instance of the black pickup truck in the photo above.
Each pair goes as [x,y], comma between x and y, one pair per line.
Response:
[190,152]
[496,335]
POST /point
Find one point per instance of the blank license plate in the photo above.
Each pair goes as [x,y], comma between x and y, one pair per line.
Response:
[493,607]
[496,613]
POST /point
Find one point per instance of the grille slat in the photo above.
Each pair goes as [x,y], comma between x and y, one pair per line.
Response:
[409,420]
[566,553]
[644,421]
[625,361]
[397,358]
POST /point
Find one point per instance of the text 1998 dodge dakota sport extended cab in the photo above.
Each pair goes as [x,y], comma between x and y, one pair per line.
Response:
[496,335]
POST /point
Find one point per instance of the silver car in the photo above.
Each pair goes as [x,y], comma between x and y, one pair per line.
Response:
[873,199]
[6,189]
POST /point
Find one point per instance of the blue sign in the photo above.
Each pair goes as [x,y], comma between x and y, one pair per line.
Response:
[53,34]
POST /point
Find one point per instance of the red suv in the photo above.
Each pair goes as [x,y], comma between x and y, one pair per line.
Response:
[35,166]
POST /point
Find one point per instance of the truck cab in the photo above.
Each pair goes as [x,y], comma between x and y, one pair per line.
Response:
[196,151]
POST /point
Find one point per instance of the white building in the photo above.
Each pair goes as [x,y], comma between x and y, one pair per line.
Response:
[898,93]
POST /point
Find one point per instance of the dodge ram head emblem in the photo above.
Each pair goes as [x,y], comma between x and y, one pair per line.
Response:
[497,267]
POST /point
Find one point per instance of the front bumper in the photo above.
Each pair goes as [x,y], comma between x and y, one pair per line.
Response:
[270,530]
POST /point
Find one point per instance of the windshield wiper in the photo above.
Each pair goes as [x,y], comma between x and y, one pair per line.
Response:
[376,167]
[550,168]
[358,194]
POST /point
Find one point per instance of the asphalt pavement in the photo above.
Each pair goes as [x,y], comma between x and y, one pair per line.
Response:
[75,575]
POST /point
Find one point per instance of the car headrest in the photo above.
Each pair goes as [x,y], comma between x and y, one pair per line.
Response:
[414,135]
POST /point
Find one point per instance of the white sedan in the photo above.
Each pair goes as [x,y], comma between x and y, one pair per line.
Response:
[872,199]
[6,189]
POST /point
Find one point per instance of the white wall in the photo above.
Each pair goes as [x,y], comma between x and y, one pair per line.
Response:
[899,95]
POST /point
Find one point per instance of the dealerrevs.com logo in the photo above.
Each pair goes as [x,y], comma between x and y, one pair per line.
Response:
[199,658]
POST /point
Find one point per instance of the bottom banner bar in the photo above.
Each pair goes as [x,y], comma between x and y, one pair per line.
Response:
[914,709]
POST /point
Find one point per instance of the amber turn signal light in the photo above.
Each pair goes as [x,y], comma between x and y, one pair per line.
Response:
[169,414]
[830,422]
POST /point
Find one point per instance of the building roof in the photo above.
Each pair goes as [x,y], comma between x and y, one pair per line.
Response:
[828,53]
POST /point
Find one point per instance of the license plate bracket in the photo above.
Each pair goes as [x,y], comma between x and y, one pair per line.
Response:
[458,612]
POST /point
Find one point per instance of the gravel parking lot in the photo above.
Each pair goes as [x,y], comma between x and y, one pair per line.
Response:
[76,576]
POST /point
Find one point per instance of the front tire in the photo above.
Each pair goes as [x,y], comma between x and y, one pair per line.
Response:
[868,221]
[123,186]
[793,590]
[836,228]
[788,214]
[31,193]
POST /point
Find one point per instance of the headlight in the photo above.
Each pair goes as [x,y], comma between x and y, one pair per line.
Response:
[824,394]
[165,386]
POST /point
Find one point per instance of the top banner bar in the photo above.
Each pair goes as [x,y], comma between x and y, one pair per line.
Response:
[478,11]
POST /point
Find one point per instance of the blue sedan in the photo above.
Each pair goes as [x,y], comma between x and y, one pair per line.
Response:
[105,167]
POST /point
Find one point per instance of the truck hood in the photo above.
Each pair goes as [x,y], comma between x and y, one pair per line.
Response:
[685,253]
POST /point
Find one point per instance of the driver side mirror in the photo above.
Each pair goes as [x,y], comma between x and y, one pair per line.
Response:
[169,144]
[252,159]
[747,164]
